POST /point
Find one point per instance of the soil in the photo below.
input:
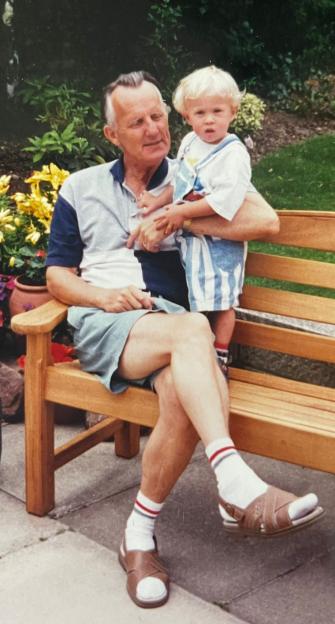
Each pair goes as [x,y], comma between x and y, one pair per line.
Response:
[279,129]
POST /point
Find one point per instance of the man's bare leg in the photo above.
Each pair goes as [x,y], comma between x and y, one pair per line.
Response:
[166,455]
[184,341]
[193,402]
[171,443]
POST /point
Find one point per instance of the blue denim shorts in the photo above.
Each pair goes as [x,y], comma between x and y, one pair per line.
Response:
[100,338]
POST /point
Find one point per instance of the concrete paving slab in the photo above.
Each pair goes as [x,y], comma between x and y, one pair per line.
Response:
[89,478]
[19,529]
[201,557]
[69,578]
[304,596]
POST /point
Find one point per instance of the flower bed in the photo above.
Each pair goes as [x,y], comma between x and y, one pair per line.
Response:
[25,219]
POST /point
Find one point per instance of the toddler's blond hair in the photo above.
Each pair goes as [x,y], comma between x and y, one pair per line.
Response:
[209,80]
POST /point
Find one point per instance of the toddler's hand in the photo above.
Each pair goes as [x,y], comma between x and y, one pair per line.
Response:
[170,221]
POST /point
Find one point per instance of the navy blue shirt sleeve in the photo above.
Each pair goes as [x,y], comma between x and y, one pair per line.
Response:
[65,244]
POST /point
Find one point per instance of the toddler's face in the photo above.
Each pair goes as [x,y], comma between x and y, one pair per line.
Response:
[210,116]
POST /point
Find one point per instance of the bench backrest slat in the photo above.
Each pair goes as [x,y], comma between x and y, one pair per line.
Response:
[300,271]
[306,229]
[284,340]
[298,305]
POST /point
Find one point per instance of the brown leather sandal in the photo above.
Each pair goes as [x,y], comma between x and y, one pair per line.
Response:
[267,515]
[140,564]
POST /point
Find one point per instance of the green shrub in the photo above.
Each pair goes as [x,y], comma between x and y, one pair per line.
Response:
[75,138]
[250,115]
[315,95]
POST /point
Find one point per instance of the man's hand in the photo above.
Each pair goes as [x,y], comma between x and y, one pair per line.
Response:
[125,299]
[147,236]
[171,220]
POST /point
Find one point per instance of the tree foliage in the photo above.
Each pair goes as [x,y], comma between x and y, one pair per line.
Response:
[268,47]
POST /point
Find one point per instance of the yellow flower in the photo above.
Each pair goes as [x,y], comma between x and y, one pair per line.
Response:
[11,261]
[5,216]
[4,184]
[33,237]
[9,227]
[57,176]
[49,173]
[2,238]
[17,221]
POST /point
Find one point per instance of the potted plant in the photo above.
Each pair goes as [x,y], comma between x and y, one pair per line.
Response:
[24,232]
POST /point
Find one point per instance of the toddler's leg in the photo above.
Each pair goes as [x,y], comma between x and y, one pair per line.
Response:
[222,324]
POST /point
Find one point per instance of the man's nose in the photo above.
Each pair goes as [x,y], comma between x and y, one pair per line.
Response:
[151,126]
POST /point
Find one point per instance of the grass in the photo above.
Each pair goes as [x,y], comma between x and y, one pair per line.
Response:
[298,177]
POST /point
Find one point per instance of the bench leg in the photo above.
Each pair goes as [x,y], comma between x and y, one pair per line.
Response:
[39,432]
[127,440]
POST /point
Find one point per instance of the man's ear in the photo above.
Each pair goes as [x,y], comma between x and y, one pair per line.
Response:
[111,135]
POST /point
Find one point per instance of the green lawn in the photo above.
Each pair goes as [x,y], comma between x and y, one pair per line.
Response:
[298,177]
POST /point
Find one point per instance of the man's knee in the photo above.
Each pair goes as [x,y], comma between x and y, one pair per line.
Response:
[193,325]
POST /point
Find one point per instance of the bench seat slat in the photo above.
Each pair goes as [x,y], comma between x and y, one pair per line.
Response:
[283,441]
[277,406]
[281,383]
[323,406]
[67,384]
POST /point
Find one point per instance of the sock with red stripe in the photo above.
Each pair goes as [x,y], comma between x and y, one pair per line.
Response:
[222,353]
[239,485]
[139,535]
[141,523]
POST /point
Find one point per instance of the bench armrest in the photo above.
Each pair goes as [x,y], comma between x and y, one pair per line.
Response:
[40,320]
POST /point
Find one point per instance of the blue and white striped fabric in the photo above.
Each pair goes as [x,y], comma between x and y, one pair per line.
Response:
[214,271]
[214,267]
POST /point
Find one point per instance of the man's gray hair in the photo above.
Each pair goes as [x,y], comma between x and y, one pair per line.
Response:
[131,80]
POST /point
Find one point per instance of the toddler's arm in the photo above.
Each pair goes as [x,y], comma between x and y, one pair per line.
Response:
[176,214]
[149,202]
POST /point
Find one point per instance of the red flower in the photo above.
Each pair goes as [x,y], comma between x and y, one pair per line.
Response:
[59,353]
[40,253]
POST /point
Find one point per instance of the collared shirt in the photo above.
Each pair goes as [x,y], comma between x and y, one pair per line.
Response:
[93,217]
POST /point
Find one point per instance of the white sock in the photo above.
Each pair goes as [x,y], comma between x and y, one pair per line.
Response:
[141,523]
[239,485]
[139,535]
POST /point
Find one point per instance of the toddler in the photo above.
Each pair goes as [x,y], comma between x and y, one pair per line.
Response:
[212,177]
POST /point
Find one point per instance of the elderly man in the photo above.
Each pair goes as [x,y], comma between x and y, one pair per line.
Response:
[131,326]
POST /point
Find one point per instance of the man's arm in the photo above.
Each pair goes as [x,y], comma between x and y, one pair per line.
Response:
[255,219]
[65,285]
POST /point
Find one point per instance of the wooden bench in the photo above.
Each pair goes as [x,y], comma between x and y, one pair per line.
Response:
[272,416]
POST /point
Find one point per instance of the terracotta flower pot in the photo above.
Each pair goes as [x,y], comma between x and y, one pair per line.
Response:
[25,297]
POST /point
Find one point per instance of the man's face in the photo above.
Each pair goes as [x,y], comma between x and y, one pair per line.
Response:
[141,125]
